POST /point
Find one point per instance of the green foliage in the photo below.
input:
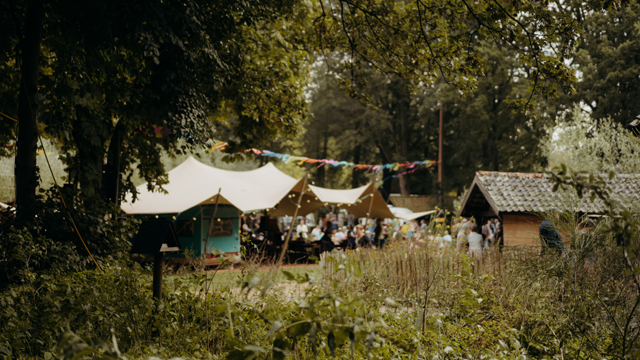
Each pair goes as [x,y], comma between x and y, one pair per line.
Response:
[607,59]
[591,146]
[424,40]
[481,132]
[50,244]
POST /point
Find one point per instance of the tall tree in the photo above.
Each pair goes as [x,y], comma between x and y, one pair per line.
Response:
[139,77]
[481,130]
[29,59]
[609,63]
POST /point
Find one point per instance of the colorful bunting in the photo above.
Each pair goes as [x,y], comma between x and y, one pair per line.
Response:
[300,160]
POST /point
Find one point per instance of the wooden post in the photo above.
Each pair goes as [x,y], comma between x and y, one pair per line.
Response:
[295,214]
[440,189]
[213,217]
[157,276]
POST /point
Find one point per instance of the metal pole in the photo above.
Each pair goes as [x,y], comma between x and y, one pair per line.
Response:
[213,216]
[440,159]
[295,214]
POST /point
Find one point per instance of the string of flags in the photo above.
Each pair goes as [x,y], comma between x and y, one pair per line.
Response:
[409,167]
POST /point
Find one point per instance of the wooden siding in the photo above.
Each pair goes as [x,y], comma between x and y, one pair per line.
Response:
[521,229]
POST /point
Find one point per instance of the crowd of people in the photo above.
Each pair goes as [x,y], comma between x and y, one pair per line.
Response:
[474,240]
[462,236]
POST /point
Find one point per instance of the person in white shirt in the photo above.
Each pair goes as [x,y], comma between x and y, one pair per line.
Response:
[340,235]
[475,242]
[317,233]
[302,230]
[446,240]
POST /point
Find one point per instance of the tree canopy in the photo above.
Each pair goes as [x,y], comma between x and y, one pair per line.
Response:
[117,83]
[609,63]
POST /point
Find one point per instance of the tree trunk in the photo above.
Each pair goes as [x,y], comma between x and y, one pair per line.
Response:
[111,175]
[404,189]
[322,170]
[385,189]
[404,186]
[26,174]
[355,175]
[90,141]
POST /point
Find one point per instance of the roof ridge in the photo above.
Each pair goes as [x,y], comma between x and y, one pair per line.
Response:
[511,174]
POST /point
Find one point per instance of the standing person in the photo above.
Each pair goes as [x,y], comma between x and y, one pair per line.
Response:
[500,237]
[326,222]
[475,242]
[549,236]
[461,240]
[446,240]
[303,231]
[486,233]
[351,219]
[377,232]
[264,222]
[361,239]
[384,237]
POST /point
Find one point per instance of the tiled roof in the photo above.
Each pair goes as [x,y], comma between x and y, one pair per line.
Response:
[522,192]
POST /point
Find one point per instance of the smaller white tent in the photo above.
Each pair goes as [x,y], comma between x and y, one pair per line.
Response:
[4,206]
[357,201]
[413,216]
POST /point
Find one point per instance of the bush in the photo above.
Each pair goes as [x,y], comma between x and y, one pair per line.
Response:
[50,243]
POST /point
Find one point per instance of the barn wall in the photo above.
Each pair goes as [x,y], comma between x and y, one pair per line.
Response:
[521,229]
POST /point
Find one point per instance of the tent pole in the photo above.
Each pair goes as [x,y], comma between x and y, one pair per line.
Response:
[293,221]
[213,216]
[373,189]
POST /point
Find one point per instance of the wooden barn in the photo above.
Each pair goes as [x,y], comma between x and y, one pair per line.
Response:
[518,200]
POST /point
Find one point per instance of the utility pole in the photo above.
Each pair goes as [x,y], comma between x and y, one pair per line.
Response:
[440,189]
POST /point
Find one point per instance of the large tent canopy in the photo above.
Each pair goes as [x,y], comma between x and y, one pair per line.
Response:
[193,183]
[267,188]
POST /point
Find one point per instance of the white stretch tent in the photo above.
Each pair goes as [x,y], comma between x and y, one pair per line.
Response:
[399,210]
[356,201]
[193,183]
[413,216]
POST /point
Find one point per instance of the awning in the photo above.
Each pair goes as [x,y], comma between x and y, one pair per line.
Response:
[413,216]
[356,201]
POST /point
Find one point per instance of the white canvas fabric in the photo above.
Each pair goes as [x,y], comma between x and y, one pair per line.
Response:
[356,201]
[413,216]
[193,183]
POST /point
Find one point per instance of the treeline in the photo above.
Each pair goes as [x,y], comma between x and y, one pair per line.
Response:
[397,120]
